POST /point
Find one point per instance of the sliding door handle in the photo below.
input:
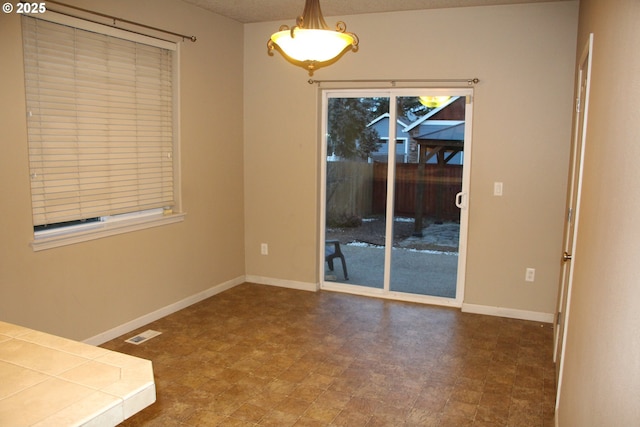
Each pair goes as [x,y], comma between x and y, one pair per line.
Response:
[461,200]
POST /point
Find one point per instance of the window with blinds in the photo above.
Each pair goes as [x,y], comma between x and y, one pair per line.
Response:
[100,123]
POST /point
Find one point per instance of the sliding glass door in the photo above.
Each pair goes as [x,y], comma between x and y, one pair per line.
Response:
[426,185]
[395,208]
[354,228]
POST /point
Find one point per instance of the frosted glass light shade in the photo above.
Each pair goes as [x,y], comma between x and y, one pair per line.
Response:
[312,44]
[433,101]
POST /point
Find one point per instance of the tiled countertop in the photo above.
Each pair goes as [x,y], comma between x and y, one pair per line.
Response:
[46,380]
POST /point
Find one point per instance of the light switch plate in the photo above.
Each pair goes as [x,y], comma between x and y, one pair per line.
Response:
[497,189]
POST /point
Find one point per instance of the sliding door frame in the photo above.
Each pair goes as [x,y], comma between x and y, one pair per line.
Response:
[393,94]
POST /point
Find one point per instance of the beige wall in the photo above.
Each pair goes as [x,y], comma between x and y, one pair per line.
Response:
[237,196]
[601,379]
[524,57]
[83,290]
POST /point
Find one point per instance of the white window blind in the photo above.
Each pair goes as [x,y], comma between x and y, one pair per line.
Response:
[100,123]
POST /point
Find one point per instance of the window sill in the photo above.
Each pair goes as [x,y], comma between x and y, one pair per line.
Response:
[105,230]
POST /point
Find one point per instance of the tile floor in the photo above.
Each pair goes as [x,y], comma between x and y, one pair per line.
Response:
[265,356]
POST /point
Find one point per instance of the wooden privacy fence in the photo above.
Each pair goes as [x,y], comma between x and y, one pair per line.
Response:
[349,191]
[440,186]
[358,189]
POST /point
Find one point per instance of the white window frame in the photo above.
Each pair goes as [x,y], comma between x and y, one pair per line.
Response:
[128,222]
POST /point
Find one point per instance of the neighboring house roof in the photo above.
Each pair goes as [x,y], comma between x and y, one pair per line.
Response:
[438,128]
[430,114]
[399,120]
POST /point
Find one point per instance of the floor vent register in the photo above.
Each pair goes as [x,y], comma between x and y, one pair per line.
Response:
[142,337]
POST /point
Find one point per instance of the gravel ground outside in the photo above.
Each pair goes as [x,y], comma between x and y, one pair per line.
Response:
[372,231]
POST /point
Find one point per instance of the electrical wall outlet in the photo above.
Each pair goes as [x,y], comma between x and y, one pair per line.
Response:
[264,249]
[530,274]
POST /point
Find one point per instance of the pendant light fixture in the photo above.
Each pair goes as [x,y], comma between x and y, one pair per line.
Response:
[310,43]
[433,101]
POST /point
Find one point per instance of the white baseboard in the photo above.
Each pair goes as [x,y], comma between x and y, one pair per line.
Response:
[291,284]
[162,312]
[511,313]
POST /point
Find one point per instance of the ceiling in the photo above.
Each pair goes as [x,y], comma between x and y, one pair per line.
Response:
[247,11]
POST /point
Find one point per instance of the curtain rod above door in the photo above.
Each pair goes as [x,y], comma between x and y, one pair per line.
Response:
[115,20]
[393,82]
